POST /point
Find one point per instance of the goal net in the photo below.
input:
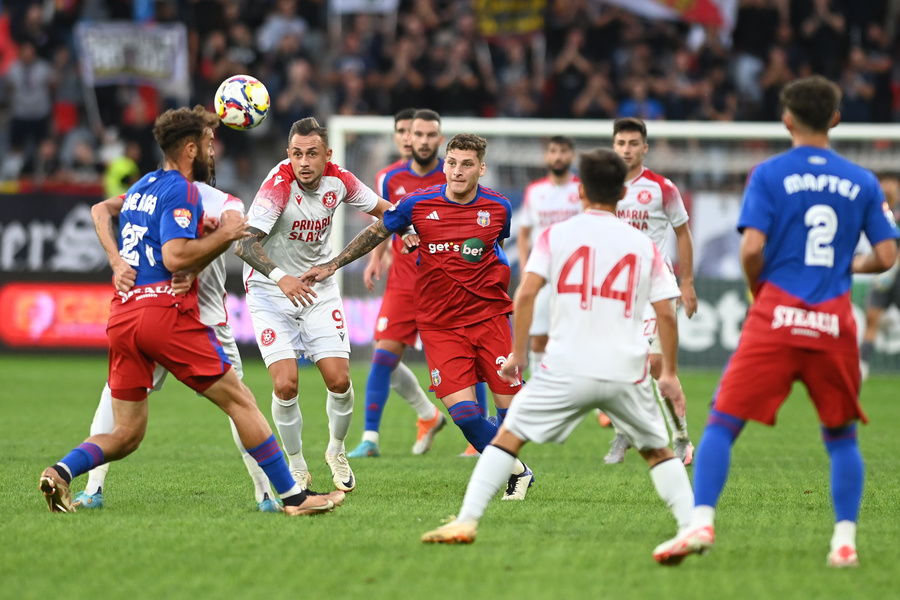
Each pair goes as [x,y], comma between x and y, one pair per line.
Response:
[709,162]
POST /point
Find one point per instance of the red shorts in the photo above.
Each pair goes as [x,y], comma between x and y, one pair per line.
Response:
[397,318]
[138,339]
[463,356]
[759,378]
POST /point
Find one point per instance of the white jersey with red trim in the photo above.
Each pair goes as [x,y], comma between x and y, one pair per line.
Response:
[298,221]
[651,203]
[601,274]
[546,203]
[211,280]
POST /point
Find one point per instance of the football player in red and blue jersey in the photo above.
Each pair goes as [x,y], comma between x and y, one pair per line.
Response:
[462,307]
[157,321]
[801,219]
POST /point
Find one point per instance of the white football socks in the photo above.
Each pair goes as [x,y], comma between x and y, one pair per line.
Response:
[674,487]
[103,423]
[404,382]
[490,474]
[289,422]
[260,481]
[339,408]
[844,535]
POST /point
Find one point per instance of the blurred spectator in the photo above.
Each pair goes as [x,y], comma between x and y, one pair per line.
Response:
[570,72]
[44,166]
[33,29]
[774,77]
[754,33]
[283,21]
[518,100]
[350,96]
[858,88]
[30,82]
[299,98]
[457,86]
[123,171]
[719,96]
[639,104]
[595,101]
[82,166]
[680,88]
[880,65]
[405,82]
[821,27]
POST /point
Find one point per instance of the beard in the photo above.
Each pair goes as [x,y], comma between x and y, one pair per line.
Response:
[559,171]
[424,161]
[202,168]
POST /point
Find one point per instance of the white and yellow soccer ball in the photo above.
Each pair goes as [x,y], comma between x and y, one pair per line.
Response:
[242,102]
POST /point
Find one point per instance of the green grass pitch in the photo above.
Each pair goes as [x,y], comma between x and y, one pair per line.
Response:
[180,520]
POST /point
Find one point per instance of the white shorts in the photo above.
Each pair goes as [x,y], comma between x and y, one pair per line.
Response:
[540,322]
[550,407]
[226,338]
[284,331]
[651,331]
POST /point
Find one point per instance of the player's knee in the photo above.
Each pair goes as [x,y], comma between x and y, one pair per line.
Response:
[338,383]
[285,387]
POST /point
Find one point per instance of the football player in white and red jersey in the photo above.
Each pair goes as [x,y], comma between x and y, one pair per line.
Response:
[651,204]
[548,200]
[211,299]
[601,274]
[290,231]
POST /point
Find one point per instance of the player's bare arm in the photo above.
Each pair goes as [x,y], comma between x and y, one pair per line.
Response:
[523,313]
[250,250]
[409,237]
[183,253]
[753,244]
[103,213]
[881,258]
[686,266]
[668,383]
[362,244]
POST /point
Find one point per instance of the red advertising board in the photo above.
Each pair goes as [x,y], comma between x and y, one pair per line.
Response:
[58,315]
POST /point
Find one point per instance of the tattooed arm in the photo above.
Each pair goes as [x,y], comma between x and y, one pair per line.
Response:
[250,249]
[361,245]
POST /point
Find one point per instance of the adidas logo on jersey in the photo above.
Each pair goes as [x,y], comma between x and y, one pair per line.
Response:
[401,191]
[433,216]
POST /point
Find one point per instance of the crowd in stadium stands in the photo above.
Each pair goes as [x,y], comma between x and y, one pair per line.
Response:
[592,60]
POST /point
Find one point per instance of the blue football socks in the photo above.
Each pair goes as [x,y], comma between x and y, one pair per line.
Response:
[847,471]
[80,460]
[713,459]
[271,460]
[378,387]
[478,430]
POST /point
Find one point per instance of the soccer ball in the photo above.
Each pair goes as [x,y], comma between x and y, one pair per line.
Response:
[242,102]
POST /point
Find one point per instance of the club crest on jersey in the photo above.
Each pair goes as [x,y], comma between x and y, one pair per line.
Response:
[382,324]
[435,377]
[182,217]
[330,200]
[644,197]
[267,337]
[484,218]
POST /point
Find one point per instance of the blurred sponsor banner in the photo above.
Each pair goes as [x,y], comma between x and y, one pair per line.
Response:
[49,232]
[43,314]
[509,17]
[125,52]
